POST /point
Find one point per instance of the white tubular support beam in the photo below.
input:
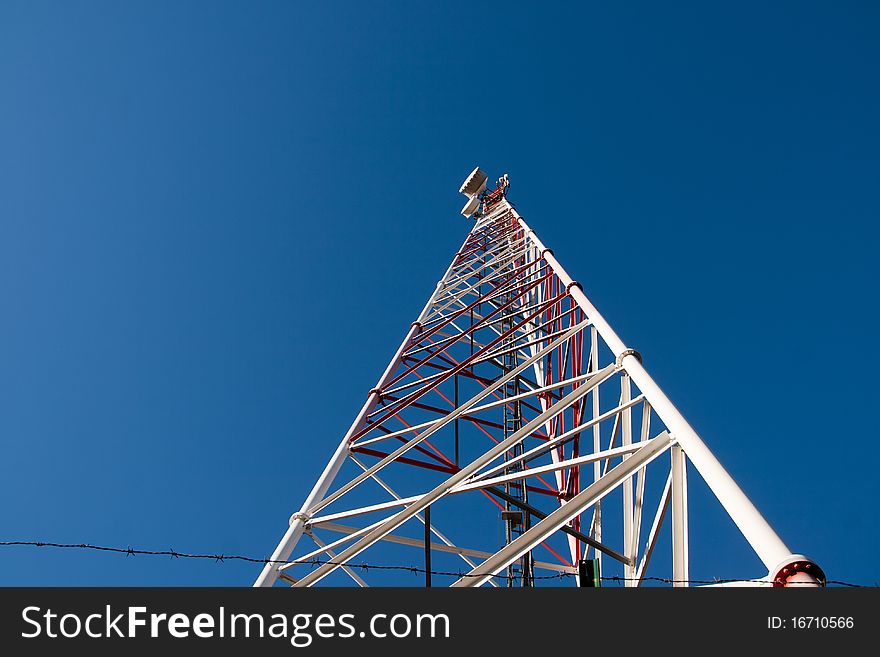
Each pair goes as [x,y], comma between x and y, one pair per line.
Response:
[655,530]
[597,440]
[757,531]
[595,491]
[626,440]
[680,570]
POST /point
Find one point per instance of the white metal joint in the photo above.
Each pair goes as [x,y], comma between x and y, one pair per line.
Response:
[624,354]
[301,516]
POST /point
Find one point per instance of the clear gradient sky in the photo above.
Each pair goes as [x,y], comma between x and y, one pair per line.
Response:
[217,221]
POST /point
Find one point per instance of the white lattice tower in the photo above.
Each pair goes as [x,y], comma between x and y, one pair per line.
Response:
[514,438]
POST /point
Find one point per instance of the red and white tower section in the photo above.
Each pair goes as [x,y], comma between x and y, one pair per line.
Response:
[515,440]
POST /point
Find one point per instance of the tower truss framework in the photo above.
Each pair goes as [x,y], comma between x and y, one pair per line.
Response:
[514,438]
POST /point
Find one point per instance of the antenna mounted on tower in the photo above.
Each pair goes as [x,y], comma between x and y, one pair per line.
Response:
[473,187]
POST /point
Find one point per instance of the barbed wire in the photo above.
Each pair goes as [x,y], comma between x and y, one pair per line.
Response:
[220,558]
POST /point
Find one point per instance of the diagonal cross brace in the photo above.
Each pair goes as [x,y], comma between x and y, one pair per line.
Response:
[461,410]
[589,496]
[440,491]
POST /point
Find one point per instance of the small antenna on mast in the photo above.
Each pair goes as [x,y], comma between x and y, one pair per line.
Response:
[473,187]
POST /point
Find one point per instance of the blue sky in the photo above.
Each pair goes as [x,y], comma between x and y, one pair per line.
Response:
[217,220]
